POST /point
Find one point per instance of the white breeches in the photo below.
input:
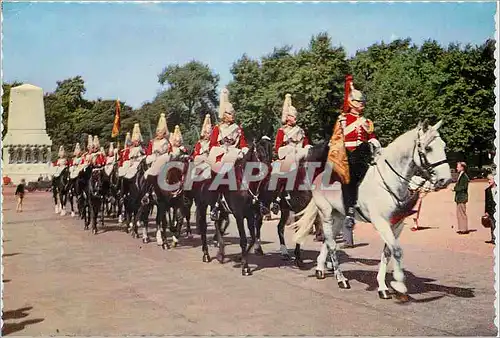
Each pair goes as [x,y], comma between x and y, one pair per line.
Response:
[230,155]
[124,168]
[132,169]
[74,171]
[288,156]
[108,168]
[151,158]
[155,168]
[57,171]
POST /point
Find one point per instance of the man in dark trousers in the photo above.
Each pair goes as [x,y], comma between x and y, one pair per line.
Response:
[490,205]
[461,198]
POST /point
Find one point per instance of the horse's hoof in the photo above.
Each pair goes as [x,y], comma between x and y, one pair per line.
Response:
[384,294]
[189,235]
[220,257]
[320,274]
[206,258]
[73,214]
[94,231]
[174,244]
[344,284]
[215,244]
[145,240]
[246,271]
[286,257]
[164,246]
[259,252]
[85,228]
[401,297]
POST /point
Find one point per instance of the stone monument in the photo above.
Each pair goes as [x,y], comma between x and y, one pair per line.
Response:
[26,146]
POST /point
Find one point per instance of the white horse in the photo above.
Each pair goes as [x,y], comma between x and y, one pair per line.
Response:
[383,194]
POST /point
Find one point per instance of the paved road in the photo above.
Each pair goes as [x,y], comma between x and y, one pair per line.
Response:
[60,280]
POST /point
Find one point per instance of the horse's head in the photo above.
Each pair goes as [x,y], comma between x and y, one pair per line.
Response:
[264,150]
[430,155]
[96,182]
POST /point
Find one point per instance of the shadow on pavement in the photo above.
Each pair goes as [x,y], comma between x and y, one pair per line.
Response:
[11,254]
[21,313]
[416,285]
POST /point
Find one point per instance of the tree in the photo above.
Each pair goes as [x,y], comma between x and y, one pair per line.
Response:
[191,92]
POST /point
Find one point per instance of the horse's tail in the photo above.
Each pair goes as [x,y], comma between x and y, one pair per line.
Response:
[305,223]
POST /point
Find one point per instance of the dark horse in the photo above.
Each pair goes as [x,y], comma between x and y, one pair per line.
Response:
[299,199]
[60,187]
[97,190]
[243,204]
[131,191]
[166,200]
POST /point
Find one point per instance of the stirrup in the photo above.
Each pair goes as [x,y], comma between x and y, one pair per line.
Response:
[215,214]
[275,207]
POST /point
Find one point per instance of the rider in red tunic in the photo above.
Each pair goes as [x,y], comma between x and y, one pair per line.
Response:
[227,141]
[359,139]
[291,146]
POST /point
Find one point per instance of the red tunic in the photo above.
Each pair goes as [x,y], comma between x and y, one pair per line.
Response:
[124,156]
[149,149]
[100,160]
[280,136]
[355,133]
[214,138]
[197,149]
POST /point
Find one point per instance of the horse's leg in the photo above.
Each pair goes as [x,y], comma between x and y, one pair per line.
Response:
[159,222]
[258,226]
[186,211]
[245,270]
[388,236]
[383,290]
[54,195]
[71,202]
[93,215]
[223,225]
[201,221]
[220,240]
[62,199]
[179,218]
[251,228]
[102,205]
[285,214]
[331,244]
[326,211]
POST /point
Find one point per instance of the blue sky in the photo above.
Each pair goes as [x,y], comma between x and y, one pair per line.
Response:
[120,48]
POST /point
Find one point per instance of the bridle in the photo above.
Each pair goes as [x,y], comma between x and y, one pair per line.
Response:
[426,168]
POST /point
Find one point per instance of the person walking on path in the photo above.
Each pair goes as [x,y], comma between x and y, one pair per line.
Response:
[421,187]
[490,205]
[461,198]
[20,195]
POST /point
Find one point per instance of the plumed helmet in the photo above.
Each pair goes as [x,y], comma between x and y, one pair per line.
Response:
[90,143]
[96,142]
[136,133]
[224,105]
[111,149]
[61,152]
[161,128]
[176,137]
[77,150]
[288,109]
[206,128]
[128,140]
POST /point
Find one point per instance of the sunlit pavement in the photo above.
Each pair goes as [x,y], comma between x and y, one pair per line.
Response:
[62,280]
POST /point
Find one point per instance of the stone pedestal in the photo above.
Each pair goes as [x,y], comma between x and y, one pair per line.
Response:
[26,146]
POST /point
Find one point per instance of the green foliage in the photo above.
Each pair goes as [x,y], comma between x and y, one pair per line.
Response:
[403,84]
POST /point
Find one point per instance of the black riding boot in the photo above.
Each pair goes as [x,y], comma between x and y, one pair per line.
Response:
[215,212]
